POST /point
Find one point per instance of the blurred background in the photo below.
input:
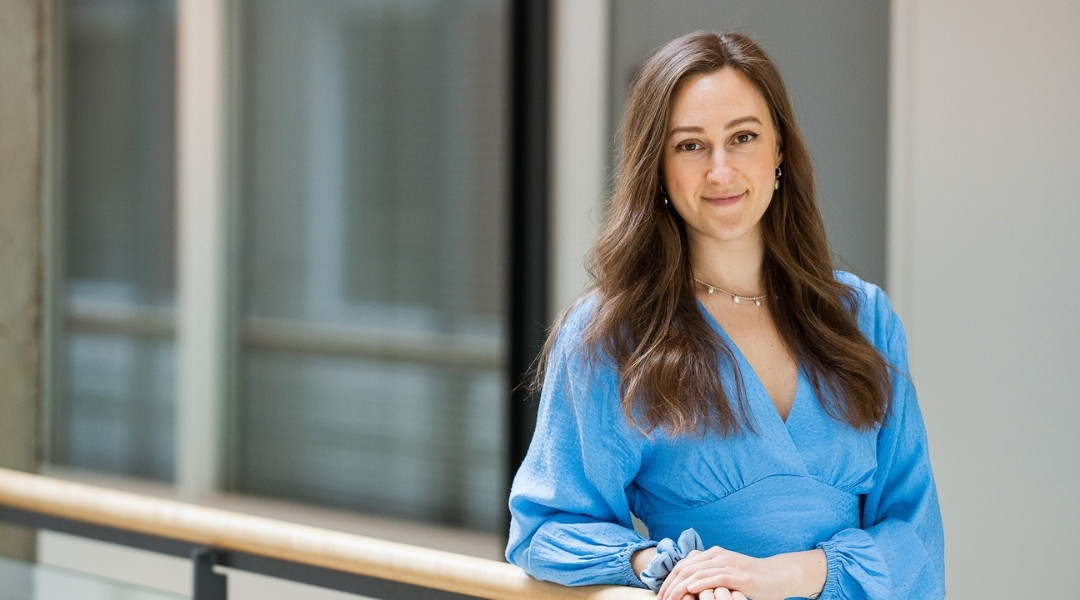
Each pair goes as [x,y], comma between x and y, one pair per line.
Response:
[364,238]
[264,253]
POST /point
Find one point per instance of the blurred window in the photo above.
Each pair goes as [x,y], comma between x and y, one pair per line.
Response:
[368,176]
[114,388]
[373,175]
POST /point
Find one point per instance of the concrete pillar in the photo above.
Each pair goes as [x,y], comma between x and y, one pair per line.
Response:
[23,53]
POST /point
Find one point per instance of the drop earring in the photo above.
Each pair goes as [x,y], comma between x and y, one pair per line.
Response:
[663,193]
[776,184]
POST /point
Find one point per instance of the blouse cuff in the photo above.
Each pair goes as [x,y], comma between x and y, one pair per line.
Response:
[668,553]
[626,556]
[855,567]
[832,572]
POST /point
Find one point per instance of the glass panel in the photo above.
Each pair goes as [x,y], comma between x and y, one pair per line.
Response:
[121,418]
[24,581]
[374,144]
[112,408]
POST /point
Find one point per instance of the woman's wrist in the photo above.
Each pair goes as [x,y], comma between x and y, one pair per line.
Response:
[804,573]
[641,559]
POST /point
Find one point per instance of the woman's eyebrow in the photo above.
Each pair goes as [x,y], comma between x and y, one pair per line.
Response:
[732,123]
[687,129]
[741,120]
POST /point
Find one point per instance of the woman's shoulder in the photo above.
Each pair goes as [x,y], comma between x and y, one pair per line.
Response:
[868,295]
[876,317]
[571,329]
[581,312]
[575,355]
[860,285]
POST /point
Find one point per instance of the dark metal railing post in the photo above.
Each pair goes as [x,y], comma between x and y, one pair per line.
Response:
[207,584]
[528,216]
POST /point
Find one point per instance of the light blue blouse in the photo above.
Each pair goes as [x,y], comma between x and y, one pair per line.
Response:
[867,498]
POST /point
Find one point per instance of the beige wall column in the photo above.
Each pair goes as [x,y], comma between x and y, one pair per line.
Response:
[983,269]
[22,56]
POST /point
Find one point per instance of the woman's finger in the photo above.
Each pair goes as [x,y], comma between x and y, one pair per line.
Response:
[722,594]
[671,589]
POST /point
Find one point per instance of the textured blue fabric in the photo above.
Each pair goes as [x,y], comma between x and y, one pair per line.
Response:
[668,553]
[866,498]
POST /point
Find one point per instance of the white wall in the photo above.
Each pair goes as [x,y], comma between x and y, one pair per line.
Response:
[984,217]
[579,141]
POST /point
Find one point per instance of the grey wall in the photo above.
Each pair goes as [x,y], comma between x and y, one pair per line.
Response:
[22,157]
[987,218]
[834,56]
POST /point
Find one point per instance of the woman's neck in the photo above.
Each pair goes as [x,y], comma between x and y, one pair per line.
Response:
[735,265]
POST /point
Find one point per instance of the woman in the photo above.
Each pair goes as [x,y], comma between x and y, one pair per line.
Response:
[721,382]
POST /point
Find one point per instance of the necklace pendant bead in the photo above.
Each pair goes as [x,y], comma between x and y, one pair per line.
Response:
[737,299]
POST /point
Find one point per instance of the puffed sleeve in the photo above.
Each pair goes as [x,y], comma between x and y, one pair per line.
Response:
[899,551]
[570,516]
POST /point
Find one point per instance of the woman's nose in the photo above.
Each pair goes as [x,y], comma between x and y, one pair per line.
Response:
[720,171]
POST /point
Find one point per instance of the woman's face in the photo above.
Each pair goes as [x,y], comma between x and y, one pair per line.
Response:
[720,158]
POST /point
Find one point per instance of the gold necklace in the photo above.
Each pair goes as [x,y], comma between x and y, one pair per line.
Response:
[734,297]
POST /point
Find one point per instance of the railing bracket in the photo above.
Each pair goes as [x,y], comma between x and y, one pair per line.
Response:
[207,584]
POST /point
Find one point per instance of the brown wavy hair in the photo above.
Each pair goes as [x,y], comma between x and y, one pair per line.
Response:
[647,321]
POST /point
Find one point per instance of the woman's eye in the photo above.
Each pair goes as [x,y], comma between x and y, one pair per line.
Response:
[689,146]
[745,137]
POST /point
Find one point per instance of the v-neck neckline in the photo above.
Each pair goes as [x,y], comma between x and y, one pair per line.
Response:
[745,367]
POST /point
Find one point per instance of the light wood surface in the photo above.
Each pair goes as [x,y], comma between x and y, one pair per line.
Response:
[289,541]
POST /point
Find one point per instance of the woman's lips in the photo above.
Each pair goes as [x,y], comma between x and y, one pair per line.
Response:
[724,200]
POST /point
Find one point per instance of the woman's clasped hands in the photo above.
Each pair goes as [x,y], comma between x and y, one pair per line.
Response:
[719,574]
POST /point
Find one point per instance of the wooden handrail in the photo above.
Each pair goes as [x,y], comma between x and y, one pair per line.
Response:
[281,540]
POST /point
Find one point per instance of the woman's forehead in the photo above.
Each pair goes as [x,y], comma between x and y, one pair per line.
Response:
[721,96]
